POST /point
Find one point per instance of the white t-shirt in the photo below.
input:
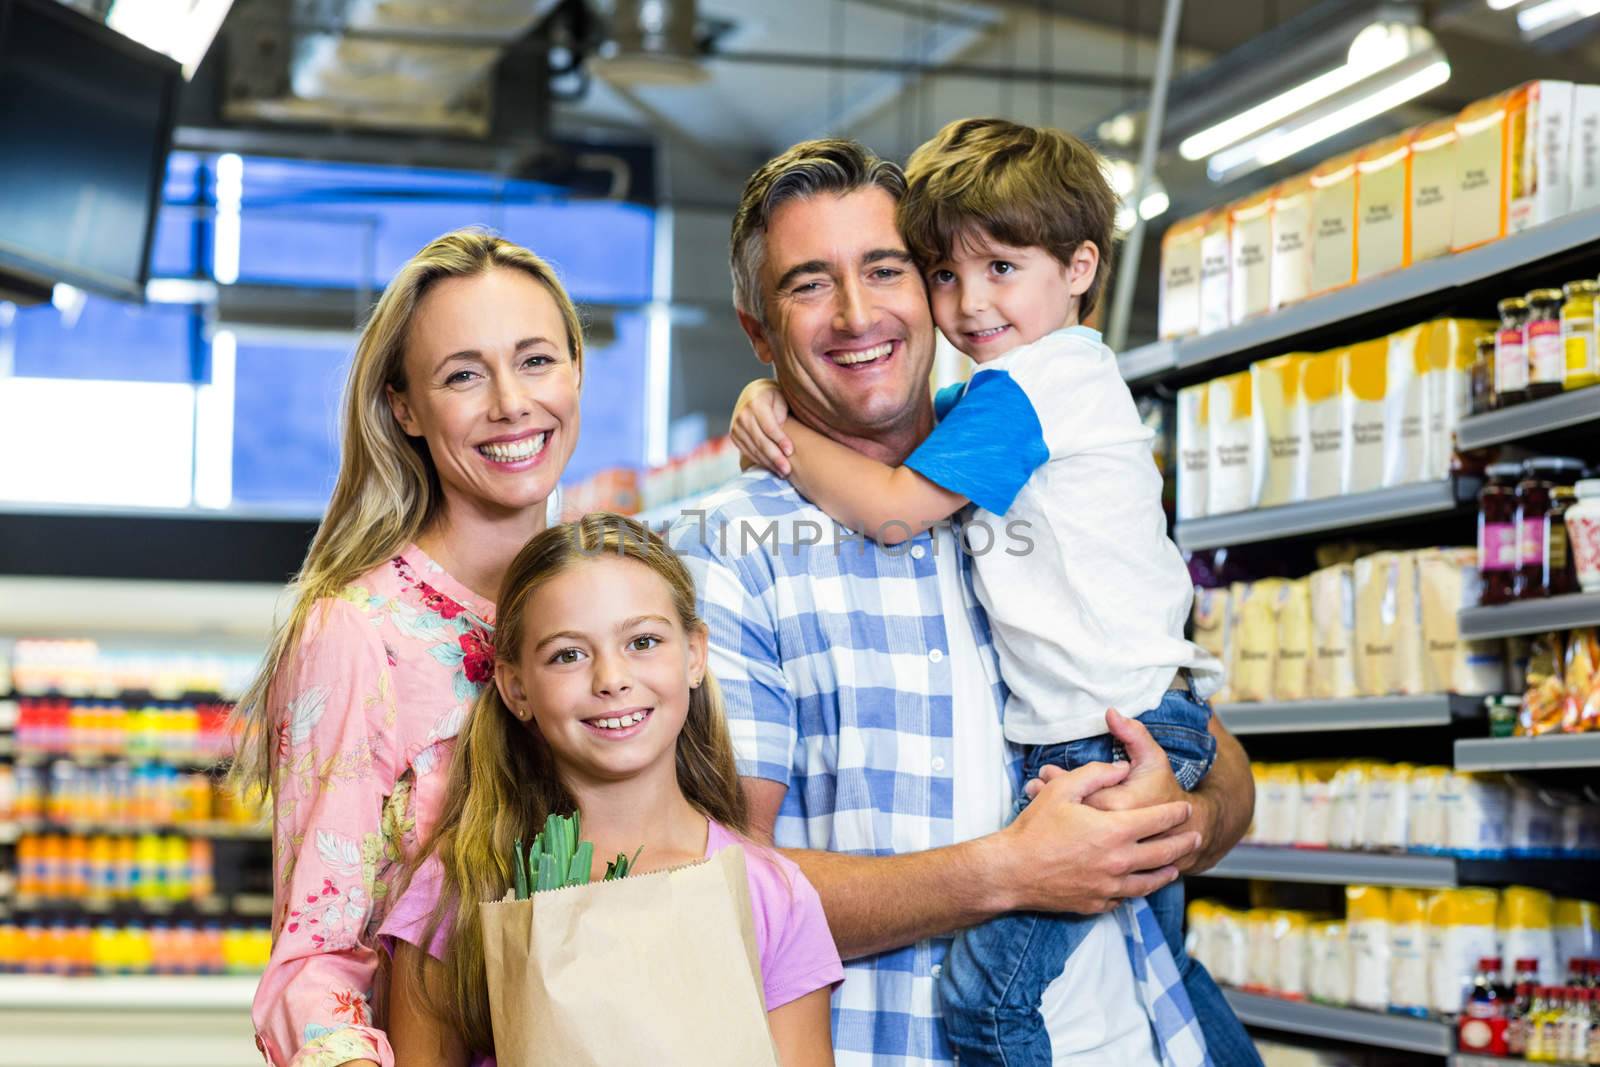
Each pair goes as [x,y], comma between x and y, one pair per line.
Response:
[1093,1012]
[1088,601]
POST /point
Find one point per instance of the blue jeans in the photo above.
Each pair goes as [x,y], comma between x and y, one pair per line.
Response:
[996,974]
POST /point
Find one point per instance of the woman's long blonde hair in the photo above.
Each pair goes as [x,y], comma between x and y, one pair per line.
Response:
[503,778]
[388,487]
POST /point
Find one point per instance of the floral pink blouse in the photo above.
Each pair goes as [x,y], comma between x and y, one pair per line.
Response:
[383,681]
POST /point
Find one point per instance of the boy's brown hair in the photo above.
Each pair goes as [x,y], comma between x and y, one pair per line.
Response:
[1021,185]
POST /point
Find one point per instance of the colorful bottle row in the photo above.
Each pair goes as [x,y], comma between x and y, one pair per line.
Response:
[1541,1023]
[159,948]
[119,795]
[112,728]
[84,668]
[1538,530]
[148,868]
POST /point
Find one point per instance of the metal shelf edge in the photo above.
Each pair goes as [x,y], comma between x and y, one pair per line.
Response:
[1360,713]
[1528,753]
[1525,420]
[1372,1028]
[1531,616]
[1329,867]
[1315,516]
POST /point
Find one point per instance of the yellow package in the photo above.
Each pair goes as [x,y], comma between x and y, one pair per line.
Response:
[1383,206]
[1250,283]
[1388,625]
[1314,827]
[1213,631]
[1363,392]
[1322,383]
[1278,791]
[1482,161]
[1527,931]
[1255,642]
[1279,430]
[1216,269]
[1291,241]
[1291,936]
[1461,931]
[1425,829]
[1433,186]
[1231,474]
[1333,224]
[1261,968]
[1539,144]
[1385,806]
[1329,949]
[1405,416]
[1577,925]
[1408,951]
[1333,633]
[1179,301]
[1348,790]
[1291,669]
[1194,450]
[1450,345]
[1367,918]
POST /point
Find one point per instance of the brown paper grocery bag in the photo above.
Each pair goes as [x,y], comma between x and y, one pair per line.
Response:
[660,968]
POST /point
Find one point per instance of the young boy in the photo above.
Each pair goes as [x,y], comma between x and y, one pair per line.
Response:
[1011,227]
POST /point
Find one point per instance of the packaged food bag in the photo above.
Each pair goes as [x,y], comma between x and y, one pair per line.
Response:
[1232,944]
[1347,792]
[1279,430]
[1408,952]
[1367,918]
[1216,269]
[1333,223]
[1292,936]
[1213,631]
[1291,669]
[1178,312]
[1580,680]
[1544,702]
[1405,444]
[1585,146]
[1527,931]
[1261,960]
[1333,633]
[1433,186]
[1482,157]
[1363,398]
[1229,476]
[1314,826]
[1278,804]
[1477,814]
[1194,450]
[1388,625]
[1535,831]
[1450,345]
[1199,932]
[1580,831]
[1329,948]
[640,970]
[1540,147]
[1321,382]
[1255,641]
[1461,931]
[1291,241]
[1425,830]
[1385,806]
[1250,282]
[1450,581]
[1383,207]
[1577,931]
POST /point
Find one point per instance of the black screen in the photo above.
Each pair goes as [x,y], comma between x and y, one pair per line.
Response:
[85,123]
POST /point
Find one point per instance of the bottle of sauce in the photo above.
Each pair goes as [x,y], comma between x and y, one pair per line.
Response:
[1511,353]
[1497,533]
[1578,334]
[1484,1016]
[1527,979]
[1547,359]
[1560,575]
[1539,476]
[1481,377]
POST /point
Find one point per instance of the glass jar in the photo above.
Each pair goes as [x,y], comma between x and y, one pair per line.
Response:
[1560,577]
[1497,533]
[1511,353]
[1547,360]
[1482,376]
[1578,334]
[1539,476]
[1583,534]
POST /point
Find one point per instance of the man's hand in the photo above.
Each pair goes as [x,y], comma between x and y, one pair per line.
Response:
[1063,855]
[1149,782]
[757,427]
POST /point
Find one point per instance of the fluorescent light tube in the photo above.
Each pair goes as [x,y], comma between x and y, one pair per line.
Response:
[1552,14]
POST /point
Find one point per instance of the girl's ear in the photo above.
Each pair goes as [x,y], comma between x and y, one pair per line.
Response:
[697,655]
[508,680]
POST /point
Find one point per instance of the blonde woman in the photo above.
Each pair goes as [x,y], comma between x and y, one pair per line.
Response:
[460,413]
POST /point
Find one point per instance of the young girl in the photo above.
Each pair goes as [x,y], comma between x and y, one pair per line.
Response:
[601,703]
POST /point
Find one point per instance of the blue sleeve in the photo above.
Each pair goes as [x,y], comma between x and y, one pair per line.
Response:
[946,398]
[987,446]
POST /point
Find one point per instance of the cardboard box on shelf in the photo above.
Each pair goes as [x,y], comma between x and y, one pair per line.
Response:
[1216,258]
[1291,241]
[1250,285]
[1585,170]
[1333,223]
[1482,160]
[1433,187]
[1179,314]
[1363,388]
[1383,207]
[1539,144]
[1321,383]
[1278,422]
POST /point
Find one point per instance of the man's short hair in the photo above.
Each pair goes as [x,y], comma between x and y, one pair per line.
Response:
[828,165]
[1021,185]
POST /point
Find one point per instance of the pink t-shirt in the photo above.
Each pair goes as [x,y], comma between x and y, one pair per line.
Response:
[792,937]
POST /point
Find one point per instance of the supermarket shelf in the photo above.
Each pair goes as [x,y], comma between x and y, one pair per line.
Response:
[243,905]
[1148,361]
[1525,420]
[1298,326]
[1531,616]
[100,759]
[1362,713]
[1466,1059]
[1566,752]
[128,696]
[219,831]
[1326,867]
[1317,516]
[43,992]
[1372,1028]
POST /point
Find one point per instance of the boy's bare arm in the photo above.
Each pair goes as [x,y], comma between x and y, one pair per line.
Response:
[889,504]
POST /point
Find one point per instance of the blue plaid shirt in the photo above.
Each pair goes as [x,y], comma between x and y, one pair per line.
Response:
[831,654]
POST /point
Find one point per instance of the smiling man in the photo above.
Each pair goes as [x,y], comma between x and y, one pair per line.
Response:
[862,687]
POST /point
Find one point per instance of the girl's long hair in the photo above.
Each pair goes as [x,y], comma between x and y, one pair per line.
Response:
[503,779]
[388,487]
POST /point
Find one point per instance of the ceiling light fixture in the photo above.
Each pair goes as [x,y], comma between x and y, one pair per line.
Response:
[182,29]
[1553,15]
